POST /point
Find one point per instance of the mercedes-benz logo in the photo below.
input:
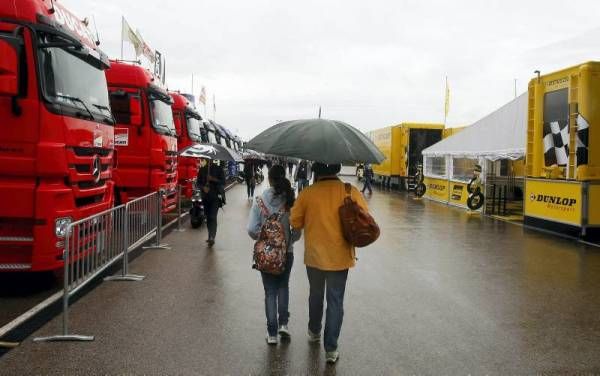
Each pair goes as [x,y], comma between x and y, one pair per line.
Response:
[96,168]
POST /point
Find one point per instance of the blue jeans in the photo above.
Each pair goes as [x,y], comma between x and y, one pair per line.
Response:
[367,185]
[334,283]
[302,183]
[277,296]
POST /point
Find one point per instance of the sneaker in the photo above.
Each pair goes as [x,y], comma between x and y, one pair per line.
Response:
[283,331]
[332,356]
[210,242]
[271,340]
[313,337]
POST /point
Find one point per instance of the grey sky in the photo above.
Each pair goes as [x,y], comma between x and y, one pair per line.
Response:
[369,63]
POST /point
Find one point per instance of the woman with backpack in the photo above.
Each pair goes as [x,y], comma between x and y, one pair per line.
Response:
[269,224]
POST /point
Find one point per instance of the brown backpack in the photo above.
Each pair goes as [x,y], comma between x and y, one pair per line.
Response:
[358,226]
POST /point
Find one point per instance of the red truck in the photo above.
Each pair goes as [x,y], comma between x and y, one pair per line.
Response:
[56,142]
[145,135]
[190,129]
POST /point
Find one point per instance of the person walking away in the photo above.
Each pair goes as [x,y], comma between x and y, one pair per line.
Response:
[278,198]
[211,180]
[250,176]
[327,255]
[368,178]
[302,175]
[290,168]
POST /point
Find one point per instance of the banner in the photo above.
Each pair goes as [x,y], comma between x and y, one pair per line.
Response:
[554,201]
[458,193]
[437,189]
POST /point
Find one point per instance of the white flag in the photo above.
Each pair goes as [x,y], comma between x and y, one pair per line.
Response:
[202,98]
[127,34]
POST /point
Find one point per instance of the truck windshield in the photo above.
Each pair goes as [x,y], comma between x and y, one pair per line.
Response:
[162,116]
[68,80]
[193,126]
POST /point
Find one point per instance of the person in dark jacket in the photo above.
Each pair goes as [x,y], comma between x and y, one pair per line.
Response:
[250,177]
[211,179]
[368,178]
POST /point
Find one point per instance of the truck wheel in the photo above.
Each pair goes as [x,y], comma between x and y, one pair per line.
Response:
[475,201]
[420,190]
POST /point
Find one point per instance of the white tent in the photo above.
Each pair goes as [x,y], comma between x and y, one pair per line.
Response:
[500,135]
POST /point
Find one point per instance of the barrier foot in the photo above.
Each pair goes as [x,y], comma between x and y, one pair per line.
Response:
[127,277]
[64,338]
[8,345]
[159,246]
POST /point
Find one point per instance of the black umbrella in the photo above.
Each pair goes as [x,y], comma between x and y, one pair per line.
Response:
[253,155]
[211,151]
[320,140]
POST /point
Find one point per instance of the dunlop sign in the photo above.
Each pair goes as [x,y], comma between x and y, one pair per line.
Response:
[437,189]
[554,201]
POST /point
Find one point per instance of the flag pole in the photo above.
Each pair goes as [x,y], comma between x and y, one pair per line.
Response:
[446,103]
[122,23]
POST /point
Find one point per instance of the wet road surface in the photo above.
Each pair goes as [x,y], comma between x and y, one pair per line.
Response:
[441,292]
[21,291]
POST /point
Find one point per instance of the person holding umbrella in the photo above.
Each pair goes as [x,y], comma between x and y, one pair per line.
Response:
[327,254]
[250,177]
[211,179]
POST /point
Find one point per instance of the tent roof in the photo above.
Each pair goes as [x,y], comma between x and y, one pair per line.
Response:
[500,135]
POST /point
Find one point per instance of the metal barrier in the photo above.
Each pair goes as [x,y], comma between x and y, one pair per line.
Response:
[94,244]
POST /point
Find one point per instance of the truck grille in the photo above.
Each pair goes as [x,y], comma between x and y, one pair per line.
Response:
[89,171]
[171,166]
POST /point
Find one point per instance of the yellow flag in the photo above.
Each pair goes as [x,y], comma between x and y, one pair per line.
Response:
[447,101]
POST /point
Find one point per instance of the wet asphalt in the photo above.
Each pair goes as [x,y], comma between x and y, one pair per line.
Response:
[441,292]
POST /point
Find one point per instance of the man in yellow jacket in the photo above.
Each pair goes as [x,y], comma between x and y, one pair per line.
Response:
[327,255]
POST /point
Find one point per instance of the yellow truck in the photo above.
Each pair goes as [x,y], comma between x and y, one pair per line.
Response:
[562,188]
[402,145]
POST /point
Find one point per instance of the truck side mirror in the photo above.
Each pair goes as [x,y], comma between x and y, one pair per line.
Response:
[135,109]
[10,50]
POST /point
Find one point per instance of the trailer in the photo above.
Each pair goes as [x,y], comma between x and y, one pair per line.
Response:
[562,187]
[402,145]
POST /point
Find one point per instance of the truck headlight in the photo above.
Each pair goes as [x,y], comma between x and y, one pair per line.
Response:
[61,225]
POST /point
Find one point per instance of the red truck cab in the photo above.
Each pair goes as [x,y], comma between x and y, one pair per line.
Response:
[145,136]
[189,127]
[56,141]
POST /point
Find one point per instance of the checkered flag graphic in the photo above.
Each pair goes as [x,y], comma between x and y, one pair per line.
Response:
[556,143]
[582,140]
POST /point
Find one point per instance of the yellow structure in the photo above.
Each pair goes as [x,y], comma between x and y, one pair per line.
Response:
[563,150]
[402,145]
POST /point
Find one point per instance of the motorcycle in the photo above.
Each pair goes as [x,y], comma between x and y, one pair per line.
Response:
[197,215]
[419,187]
[475,199]
[360,172]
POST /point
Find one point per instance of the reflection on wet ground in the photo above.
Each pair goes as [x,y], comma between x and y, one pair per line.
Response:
[442,291]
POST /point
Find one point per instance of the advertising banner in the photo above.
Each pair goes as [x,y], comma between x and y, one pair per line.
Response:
[458,193]
[554,201]
[437,189]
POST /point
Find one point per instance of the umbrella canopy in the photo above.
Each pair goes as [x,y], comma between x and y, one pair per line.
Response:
[320,140]
[249,154]
[211,151]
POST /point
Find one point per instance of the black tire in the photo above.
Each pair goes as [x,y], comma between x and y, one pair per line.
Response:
[420,190]
[196,217]
[475,201]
